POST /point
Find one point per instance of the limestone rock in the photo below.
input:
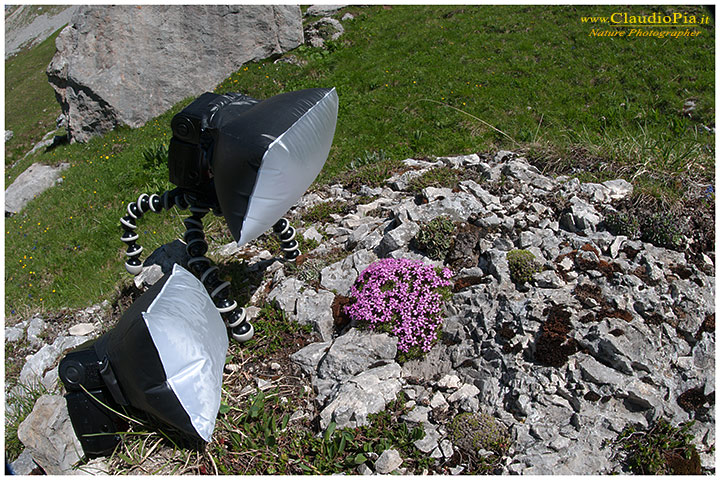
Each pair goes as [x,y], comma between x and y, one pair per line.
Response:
[315,308]
[47,432]
[31,183]
[354,352]
[148,276]
[13,334]
[327,28]
[397,238]
[309,356]
[362,395]
[82,329]
[24,464]
[388,461]
[320,10]
[150,57]
[341,275]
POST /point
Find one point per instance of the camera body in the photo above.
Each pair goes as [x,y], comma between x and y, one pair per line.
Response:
[92,391]
[191,145]
[195,130]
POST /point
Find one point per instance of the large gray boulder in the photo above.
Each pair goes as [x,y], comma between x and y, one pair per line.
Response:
[127,64]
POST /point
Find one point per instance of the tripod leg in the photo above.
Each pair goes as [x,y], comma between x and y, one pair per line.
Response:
[286,234]
[202,267]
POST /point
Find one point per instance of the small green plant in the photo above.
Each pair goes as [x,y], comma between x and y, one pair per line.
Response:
[662,230]
[273,329]
[306,244]
[523,266]
[155,157]
[661,450]
[256,437]
[473,432]
[623,223]
[322,211]
[368,158]
[435,238]
[437,177]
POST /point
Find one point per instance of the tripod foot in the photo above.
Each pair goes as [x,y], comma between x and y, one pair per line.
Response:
[243,332]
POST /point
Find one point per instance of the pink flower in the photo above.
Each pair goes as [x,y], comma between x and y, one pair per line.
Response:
[404,294]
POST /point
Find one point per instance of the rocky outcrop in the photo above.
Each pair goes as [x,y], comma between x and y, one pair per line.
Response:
[610,332]
[123,65]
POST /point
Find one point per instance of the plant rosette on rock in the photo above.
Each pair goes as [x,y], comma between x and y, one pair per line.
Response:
[404,298]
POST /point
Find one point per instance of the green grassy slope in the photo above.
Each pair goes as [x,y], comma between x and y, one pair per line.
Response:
[30,105]
[413,81]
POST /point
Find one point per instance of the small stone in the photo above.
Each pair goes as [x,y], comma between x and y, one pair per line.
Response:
[559,444]
[315,308]
[312,234]
[397,238]
[388,461]
[36,366]
[263,384]
[457,470]
[567,264]
[548,279]
[464,392]
[320,10]
[418,415]
[438,401]
[364,470]
[81,329]
[31,183]
[24,464]
[449,382]
[429,442]
[618,188]
[595,372]
[275,366]
[149,276]
[446,448]
[13,334]
[35,328]
[309,356]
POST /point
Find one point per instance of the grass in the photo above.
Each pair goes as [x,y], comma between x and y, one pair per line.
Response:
[30,105]
[258,438]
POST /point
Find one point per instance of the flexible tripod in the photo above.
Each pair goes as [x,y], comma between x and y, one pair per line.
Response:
[196,247]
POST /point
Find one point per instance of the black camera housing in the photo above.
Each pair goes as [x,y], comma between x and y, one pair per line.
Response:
[189,152]
[90,401]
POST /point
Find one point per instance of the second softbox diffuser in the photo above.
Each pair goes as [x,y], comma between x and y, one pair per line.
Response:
[167,353]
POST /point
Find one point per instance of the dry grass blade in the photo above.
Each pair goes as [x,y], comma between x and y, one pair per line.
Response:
[471,116]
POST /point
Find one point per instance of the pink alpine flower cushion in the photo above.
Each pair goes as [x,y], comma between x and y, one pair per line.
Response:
[403,297]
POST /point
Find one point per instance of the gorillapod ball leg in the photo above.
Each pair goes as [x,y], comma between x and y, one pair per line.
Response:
[286,233]
[202,267]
